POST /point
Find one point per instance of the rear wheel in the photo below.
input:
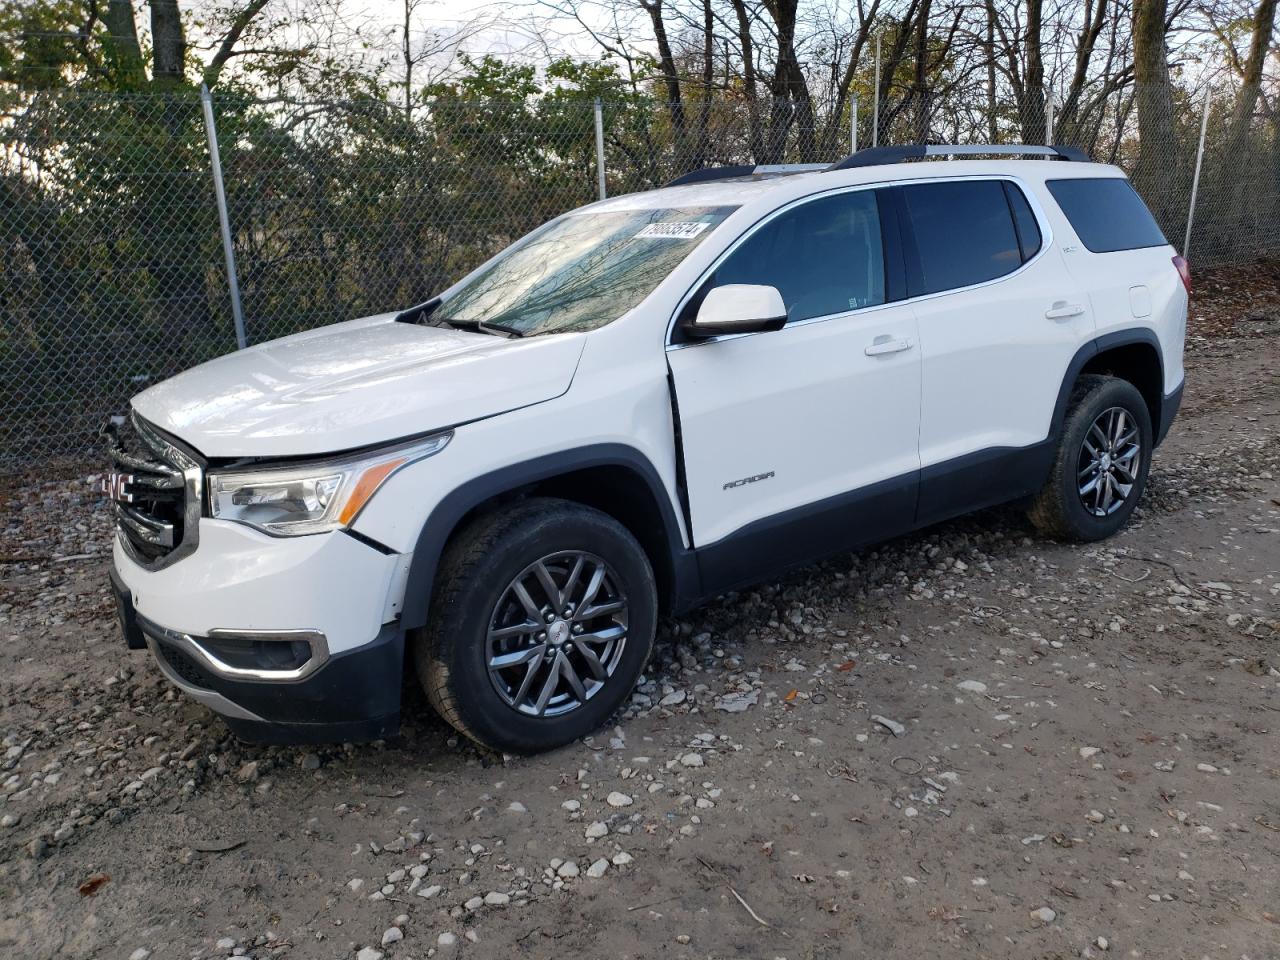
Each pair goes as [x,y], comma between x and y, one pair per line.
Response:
[543,620]
[1101,466]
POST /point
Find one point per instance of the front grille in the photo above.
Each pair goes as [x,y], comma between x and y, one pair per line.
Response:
[155,490]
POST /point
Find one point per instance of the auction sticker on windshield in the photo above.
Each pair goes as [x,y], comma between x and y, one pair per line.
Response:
[675,230]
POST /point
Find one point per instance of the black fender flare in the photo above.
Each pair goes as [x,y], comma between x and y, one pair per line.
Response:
[1108,341]
[454,506]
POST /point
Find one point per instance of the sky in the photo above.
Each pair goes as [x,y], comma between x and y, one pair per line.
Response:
[509,26]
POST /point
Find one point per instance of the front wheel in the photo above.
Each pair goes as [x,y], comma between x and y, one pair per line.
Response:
[542,622]
[1100,470]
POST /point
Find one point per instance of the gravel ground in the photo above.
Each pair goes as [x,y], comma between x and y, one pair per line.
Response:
[968,743]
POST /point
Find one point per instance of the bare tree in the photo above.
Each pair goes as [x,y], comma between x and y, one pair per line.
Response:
[1154,98]
[169,42]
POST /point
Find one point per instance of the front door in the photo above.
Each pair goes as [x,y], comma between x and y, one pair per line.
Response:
[804,440]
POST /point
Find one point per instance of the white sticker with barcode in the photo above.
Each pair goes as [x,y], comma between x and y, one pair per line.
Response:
[675,230]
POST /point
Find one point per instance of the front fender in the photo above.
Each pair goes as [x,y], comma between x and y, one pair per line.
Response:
[454,507]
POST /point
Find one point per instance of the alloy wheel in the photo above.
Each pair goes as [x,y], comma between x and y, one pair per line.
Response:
[1109,463]
[557,634]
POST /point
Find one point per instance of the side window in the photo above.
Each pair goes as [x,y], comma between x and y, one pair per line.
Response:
[1024,220]
[824,256]
[964,233]
[1107,214]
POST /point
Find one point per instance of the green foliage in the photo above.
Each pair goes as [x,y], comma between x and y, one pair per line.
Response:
[40,44]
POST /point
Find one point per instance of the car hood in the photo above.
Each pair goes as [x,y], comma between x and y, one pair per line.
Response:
[354,384]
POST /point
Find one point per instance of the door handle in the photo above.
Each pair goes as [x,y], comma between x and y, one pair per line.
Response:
[1063,311]
[886,344]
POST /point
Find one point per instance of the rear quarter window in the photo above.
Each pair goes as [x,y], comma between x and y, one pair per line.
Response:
[1107,214]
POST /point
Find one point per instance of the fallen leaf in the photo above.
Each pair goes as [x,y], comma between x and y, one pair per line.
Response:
[791,696]
[847,666]
[217,846]
[93,884]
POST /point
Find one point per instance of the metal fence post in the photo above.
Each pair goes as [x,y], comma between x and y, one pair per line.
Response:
[875,104]
[600,149]
[1048,120]
[1195,179]
[228,250]
[853,124]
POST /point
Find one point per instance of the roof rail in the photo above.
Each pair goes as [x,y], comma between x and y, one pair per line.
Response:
[874,156]
[707,174]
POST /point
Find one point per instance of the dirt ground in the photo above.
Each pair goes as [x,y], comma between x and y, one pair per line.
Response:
[1087,761]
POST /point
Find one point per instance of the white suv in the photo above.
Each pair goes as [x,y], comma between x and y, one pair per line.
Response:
[647,402]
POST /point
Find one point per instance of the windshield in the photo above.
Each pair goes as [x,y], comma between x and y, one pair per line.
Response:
[581,272]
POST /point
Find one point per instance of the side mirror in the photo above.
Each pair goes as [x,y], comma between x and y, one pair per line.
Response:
[738,308]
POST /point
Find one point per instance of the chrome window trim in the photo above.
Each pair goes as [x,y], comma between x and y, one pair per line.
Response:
[317,641]
[1046,240]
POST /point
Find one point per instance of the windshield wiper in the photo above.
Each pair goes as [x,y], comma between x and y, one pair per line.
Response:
[477,326]
[511,332]
[422,313]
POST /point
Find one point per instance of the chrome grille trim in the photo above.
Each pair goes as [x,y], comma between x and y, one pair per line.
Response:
[145,527]
[160,472]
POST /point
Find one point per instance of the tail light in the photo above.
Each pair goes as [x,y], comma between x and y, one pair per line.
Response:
[1184,271]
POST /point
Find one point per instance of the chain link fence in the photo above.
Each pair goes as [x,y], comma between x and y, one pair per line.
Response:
[114,271]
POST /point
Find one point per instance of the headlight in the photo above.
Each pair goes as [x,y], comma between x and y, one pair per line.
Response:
[313,497]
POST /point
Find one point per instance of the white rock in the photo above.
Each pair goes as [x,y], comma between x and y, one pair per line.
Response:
[567,870]
[1044,915]
[893,726]
[140,954]
[447,939]
[392,935]
[972,686]
[1088,752]
[616,799]
[1102,943]
[226,943]
[354,884]
[515,806]
[622,858]
[1206,768]
[673,699]
[738,702]
[1095,816]
[572,805]
[369,953]
[597,830]
[496,898]
[432,891]
[692,760]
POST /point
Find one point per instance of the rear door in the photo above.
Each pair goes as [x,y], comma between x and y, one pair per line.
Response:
[1000,320]
[800,440]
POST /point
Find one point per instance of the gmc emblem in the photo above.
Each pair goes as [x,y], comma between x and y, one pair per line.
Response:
[116,486]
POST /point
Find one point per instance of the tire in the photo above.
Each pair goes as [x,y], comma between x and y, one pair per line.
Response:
[478,614]
[1061,509]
